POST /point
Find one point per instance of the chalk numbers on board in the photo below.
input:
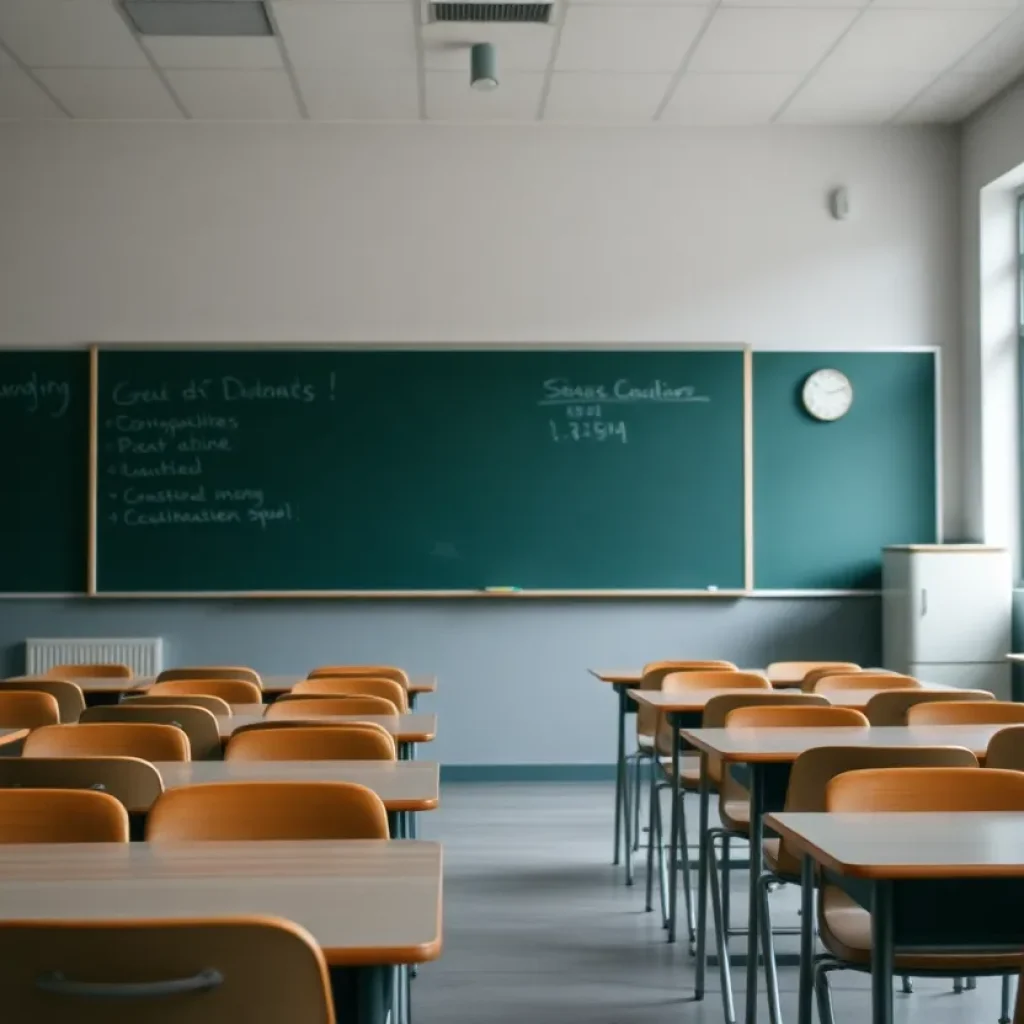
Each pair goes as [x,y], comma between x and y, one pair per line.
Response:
[586,423]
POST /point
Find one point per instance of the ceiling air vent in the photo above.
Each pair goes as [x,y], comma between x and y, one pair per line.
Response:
[506,13]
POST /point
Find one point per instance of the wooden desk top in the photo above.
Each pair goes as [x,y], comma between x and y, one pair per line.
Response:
[402,785]
[8,736]
[416,727]
[632,676]
[365,902]
[694,700]
[762,746]
[918,845]
[103,684]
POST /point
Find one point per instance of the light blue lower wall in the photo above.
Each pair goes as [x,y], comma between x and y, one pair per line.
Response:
[513,686]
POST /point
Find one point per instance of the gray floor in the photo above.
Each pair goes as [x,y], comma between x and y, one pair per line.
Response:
[539,927]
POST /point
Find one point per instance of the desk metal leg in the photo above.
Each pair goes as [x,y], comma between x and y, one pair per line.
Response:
[756,855]
[702,878]
[673,834]
[620,769]
[882,952]
[805,992]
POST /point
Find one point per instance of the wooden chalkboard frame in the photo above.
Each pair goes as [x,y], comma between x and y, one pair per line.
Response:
[748,489]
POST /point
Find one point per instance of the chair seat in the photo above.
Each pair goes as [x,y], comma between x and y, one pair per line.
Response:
[846,933]
[735,814]
[689,772]
[771,854]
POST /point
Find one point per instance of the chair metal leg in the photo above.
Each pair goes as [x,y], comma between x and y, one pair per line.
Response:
[627,820]
[637,780]
[1007,999]
[684,848]
[652,799]
[908,986]
[971,984]
[823,993]
[659,840]
[726,889]
[771,975]
[958,985]
[721,940]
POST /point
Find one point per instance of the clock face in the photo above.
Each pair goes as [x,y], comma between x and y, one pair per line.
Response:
[828,395]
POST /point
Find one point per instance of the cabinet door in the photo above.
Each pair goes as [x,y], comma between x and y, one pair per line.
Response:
[960,607]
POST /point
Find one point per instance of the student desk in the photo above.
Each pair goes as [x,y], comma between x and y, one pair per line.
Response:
[758,747]
[371,905]
[402,785]
[621,680]
[885,862]
[415,727]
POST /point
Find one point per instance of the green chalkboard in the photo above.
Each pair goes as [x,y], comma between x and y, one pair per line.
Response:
[44,462]
[396,470]
[829,496]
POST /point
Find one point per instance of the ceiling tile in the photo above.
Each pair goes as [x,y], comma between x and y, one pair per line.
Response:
[952,5]
[69,34]
[805,4]
[450,98]
[345,36]
[1000,51]
[20,97]
[235,95]
[870,98]
[214,52]
[950,99]
[643,39]
[333,95]
[591,96]
[764,40]
[911,41]
[5,61]
[728,99]
[520,47]
[110,94]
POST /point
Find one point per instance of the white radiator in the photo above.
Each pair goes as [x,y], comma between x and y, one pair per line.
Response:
[144,655]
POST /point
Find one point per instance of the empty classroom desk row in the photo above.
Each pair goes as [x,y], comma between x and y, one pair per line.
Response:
[194,778]
[774,751]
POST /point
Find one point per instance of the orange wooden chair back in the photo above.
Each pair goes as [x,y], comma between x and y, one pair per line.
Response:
[28,709]
[133,781]
[1006,749]
[797,671]
[198,724]
[835,668]
[966,712]
[267,810]
[319,707]
[654,672]
[234,691]
[349,742]
[210,672]
[879,790]
[891,707]
[865,681]
[112,670]
[61,816]
[218,705]
[191,971]
[795,717]
[363,671]
[69,696]
[704,679]
[336,686]
[147,740]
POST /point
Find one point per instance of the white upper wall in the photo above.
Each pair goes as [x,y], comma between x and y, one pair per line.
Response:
[300,233]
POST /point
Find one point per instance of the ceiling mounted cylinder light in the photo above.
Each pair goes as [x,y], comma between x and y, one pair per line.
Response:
[483,65]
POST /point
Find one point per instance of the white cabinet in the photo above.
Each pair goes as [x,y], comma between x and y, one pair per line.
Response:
[946,612]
